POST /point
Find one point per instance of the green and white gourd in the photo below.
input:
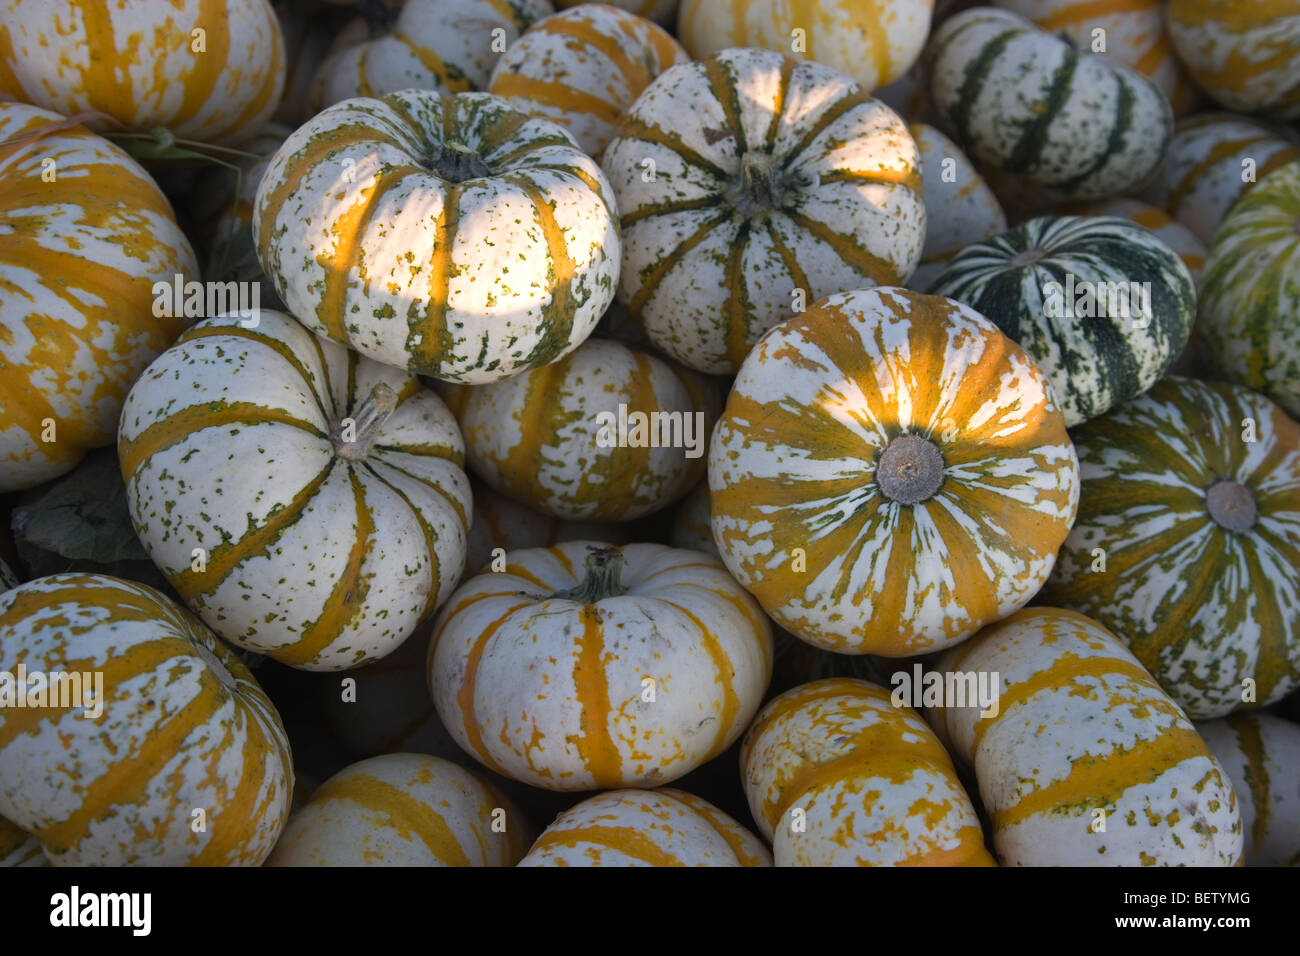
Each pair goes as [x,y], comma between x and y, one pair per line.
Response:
[1064,289]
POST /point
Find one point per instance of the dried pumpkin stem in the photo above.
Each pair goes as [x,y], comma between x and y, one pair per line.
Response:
[1231,506]
[354,436]
[457,163]
[757,188]
[910,469]
[603,569]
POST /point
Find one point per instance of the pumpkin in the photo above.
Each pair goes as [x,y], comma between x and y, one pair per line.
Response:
[85,240]
[605,434]
[1244,53]
[404,810]
[177,757]
[663,12]
[1262,757]
[749,186]
[664,827]
[1128,32]
[1029,103]
[444,46]
[452,236]
[1214,159]
[1166,228]
[18,848]
[1186,544]
[584,666]
[693,522]
[501,525]
[838,775]
[209,70]
[583,69]
[1100,304]
[890,473]
[959,205]
[307,503]
[875,43]
[1086,762]
[1250,297]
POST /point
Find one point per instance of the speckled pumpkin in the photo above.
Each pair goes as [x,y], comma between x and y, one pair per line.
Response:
[19,848]
[325,491]
[751,185]
[1027,102]
[79,255]
[453,236]
[583,69]
[584,666]
[873,42]
[1165,227]
[1261,754]
[555,438]
[891,473]
[447,46]
[501,525]
[184,728]
[837,775]
[664,827]
[1192,494]
[1087,761]
[404,810]
[209,70]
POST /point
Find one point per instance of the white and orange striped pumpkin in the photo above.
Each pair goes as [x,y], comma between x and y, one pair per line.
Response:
[87,234]
[662,12]
[665,827]
[209,70]
[584,666]
[188,763]
[453,236]
[502,525]
[1261,754]
[404,810]
[890,473]
[446,46]
[1087,762]
[583,69]
[323,492]
[875,42]
[554,438]
[19,848]
[750,185]
[837,775]
[1244,53]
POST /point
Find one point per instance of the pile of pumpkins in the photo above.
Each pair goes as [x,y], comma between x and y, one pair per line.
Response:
[651,387]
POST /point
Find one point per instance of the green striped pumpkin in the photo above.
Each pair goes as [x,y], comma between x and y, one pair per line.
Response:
[750,185]
[324,491]
[1250,293]
[453,236]
[1029,103]
[1187,543]
[1035,282]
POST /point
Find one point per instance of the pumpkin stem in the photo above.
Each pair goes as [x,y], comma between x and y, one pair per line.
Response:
[603,569]
[910,469]
[354,437]
[757,188]
[1231,506]
[457,163]
[1026,258]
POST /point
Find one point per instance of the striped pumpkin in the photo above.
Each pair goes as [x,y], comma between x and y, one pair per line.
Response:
[1244,53]
[890,473]
[664,827]
[501,525]
[209,70]
[662,12]
[188,763]
[404,810]
[1029,103]
[452,236]
[1101,305]
[639,664]
[1187,543]
[838,775]
[1087,761]
[693,522]
[1262,757]
[1132,31]
[447,46]
[1214,159]
[553,438]
[1167,229]
[875,42]
[323,491]
[959,206]
[19,848]
[1250,298]
[749,186]
[583,69]
[79,258]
